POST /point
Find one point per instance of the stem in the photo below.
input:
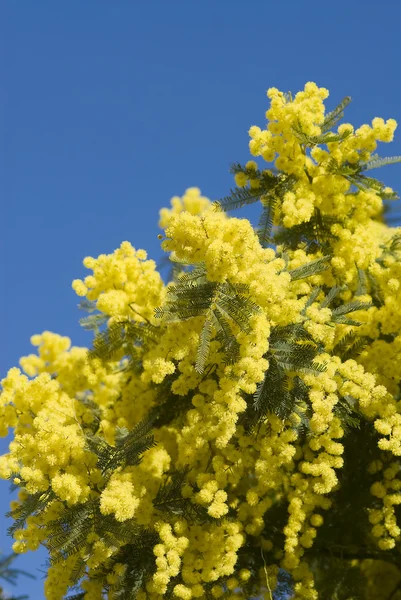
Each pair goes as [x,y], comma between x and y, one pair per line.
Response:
[138,313]
[266,575]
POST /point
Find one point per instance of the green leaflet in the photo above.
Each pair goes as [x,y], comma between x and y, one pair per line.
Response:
[130,445]
[333,117]
[291,350]
[324,138]
[376,162]
[309,269]
[169,499]
[34,504]
[123,336]
[194,296]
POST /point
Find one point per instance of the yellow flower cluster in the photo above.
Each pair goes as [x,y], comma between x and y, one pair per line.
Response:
[192,202]
[203,554]
[384,520]
[118,497]
[306,111]
[123,284]
[316,186]
[238,478]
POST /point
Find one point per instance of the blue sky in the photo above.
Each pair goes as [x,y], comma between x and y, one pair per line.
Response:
[109,108]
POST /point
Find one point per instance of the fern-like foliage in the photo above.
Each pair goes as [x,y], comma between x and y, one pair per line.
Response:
[194,296]
[124,337]
[93,322]
[270,187]
[350,346]
[354,173]
[10,574]
[314,235]
[374,290]
[331,296]
[292,350]
[362,288]
[136,553]
[78,571]
[95,412]
[272,184]
[238,198]
[109,342]
[312,268]
[68,534]
[33,505]
[140,565]
[347,411]
[169,499]
[295,349]
[395,243]
[168,406]
[265,224]
[88,306]
[375,162]
[128,449]
[338,315]
[324,138]
[333,117]
[312,298]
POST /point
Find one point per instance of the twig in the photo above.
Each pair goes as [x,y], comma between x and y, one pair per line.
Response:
[138,313]
[265,570]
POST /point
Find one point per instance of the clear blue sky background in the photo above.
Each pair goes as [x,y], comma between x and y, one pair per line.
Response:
[109,108]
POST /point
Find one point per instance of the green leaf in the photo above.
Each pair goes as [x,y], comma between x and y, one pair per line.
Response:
[238,198]
[312,268]
[204,345]
[124,336]
[220,303]
[87,305]
[350,346]
[93,322]
[344,320]
[130,445]
[313,296]
[226,338]
[33,505]
[354,306]
[333,293]
[315,140]
[362,288]
[377,162]
[107,343]
[265,224]
[169,499]
[272,394]
[335,115]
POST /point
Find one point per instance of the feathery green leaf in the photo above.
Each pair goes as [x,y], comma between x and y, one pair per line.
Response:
[309,269]
[377,162]
[333,117]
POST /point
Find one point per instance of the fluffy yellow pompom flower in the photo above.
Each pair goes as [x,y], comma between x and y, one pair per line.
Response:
[118,498]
